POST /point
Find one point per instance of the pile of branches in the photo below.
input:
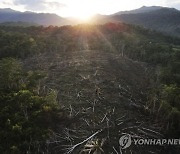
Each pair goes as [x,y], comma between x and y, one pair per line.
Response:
[96,128]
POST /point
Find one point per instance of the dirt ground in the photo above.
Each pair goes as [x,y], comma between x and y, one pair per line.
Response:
[101,91]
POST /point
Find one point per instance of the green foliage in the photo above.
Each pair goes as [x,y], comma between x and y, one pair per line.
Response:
[10,73]
[171,94]
[170,109]
[51,97]
[16,45]
[26,118]
[33,80]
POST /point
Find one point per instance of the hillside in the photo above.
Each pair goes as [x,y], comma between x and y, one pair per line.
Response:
[18,24]
[9,15]
[166,20]
[160,19]
[67,88]
[143,9]
[94,85]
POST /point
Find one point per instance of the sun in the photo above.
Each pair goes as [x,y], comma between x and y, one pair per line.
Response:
[82,10]
[83,15]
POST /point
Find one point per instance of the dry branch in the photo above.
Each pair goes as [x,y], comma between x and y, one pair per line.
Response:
[70,150]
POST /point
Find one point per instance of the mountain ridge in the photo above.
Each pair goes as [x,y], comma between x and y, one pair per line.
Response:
[163,19]
[10,15]
[142,9]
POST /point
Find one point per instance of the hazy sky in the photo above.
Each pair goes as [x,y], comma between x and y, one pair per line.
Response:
[86,7]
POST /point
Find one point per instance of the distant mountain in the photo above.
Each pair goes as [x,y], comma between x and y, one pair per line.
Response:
[157,18]
[163,19]
[9,15]
[8,10]
[143,9]
[18,24]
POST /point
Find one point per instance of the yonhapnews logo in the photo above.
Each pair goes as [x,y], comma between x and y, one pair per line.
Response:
[126,140]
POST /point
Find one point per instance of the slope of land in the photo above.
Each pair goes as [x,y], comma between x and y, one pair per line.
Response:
[103,91]
[9,15]
[100,82]
[143,9]
[165,20]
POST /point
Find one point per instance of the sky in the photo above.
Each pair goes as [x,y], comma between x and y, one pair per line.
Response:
[66,8]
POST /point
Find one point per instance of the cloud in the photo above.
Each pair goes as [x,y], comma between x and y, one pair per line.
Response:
[173,3]
[39,5]
[10,4]
[56,4]
[33,5]
[7,2]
